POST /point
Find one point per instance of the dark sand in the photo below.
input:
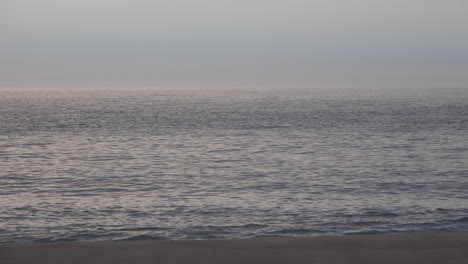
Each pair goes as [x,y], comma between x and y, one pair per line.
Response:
[441,248]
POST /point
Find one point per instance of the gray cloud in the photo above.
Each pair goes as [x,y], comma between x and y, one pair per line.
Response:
[224,42]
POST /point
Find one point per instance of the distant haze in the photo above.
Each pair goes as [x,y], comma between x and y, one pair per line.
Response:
[218,42]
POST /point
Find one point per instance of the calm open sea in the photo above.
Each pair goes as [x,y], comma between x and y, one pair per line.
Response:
[116,164]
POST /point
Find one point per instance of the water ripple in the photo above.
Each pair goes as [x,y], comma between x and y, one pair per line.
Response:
[90,166]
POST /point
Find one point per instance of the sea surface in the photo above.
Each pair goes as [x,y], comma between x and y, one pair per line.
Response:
[147,163]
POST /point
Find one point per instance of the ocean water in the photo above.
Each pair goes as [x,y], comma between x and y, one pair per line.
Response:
[129,164]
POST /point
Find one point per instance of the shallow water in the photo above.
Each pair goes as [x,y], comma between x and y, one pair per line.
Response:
[112,164]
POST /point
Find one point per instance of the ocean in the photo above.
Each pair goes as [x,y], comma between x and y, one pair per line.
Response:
[146,163]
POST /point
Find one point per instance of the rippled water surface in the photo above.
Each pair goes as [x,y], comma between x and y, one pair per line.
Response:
[111,164]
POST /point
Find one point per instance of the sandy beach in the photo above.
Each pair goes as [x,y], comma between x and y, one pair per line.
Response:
[391,248]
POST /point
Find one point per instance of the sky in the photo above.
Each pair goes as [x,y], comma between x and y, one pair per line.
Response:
[231,43]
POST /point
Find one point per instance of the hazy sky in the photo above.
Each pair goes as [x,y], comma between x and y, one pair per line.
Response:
[218,42]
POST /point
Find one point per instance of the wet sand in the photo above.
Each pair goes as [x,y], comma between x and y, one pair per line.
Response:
[441,248]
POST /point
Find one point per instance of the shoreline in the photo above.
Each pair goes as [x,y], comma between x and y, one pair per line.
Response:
[382,248]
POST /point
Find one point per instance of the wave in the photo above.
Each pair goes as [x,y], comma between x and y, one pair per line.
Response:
[461,220]
[149,228]
[297,231]
[369,232]
[143,237]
